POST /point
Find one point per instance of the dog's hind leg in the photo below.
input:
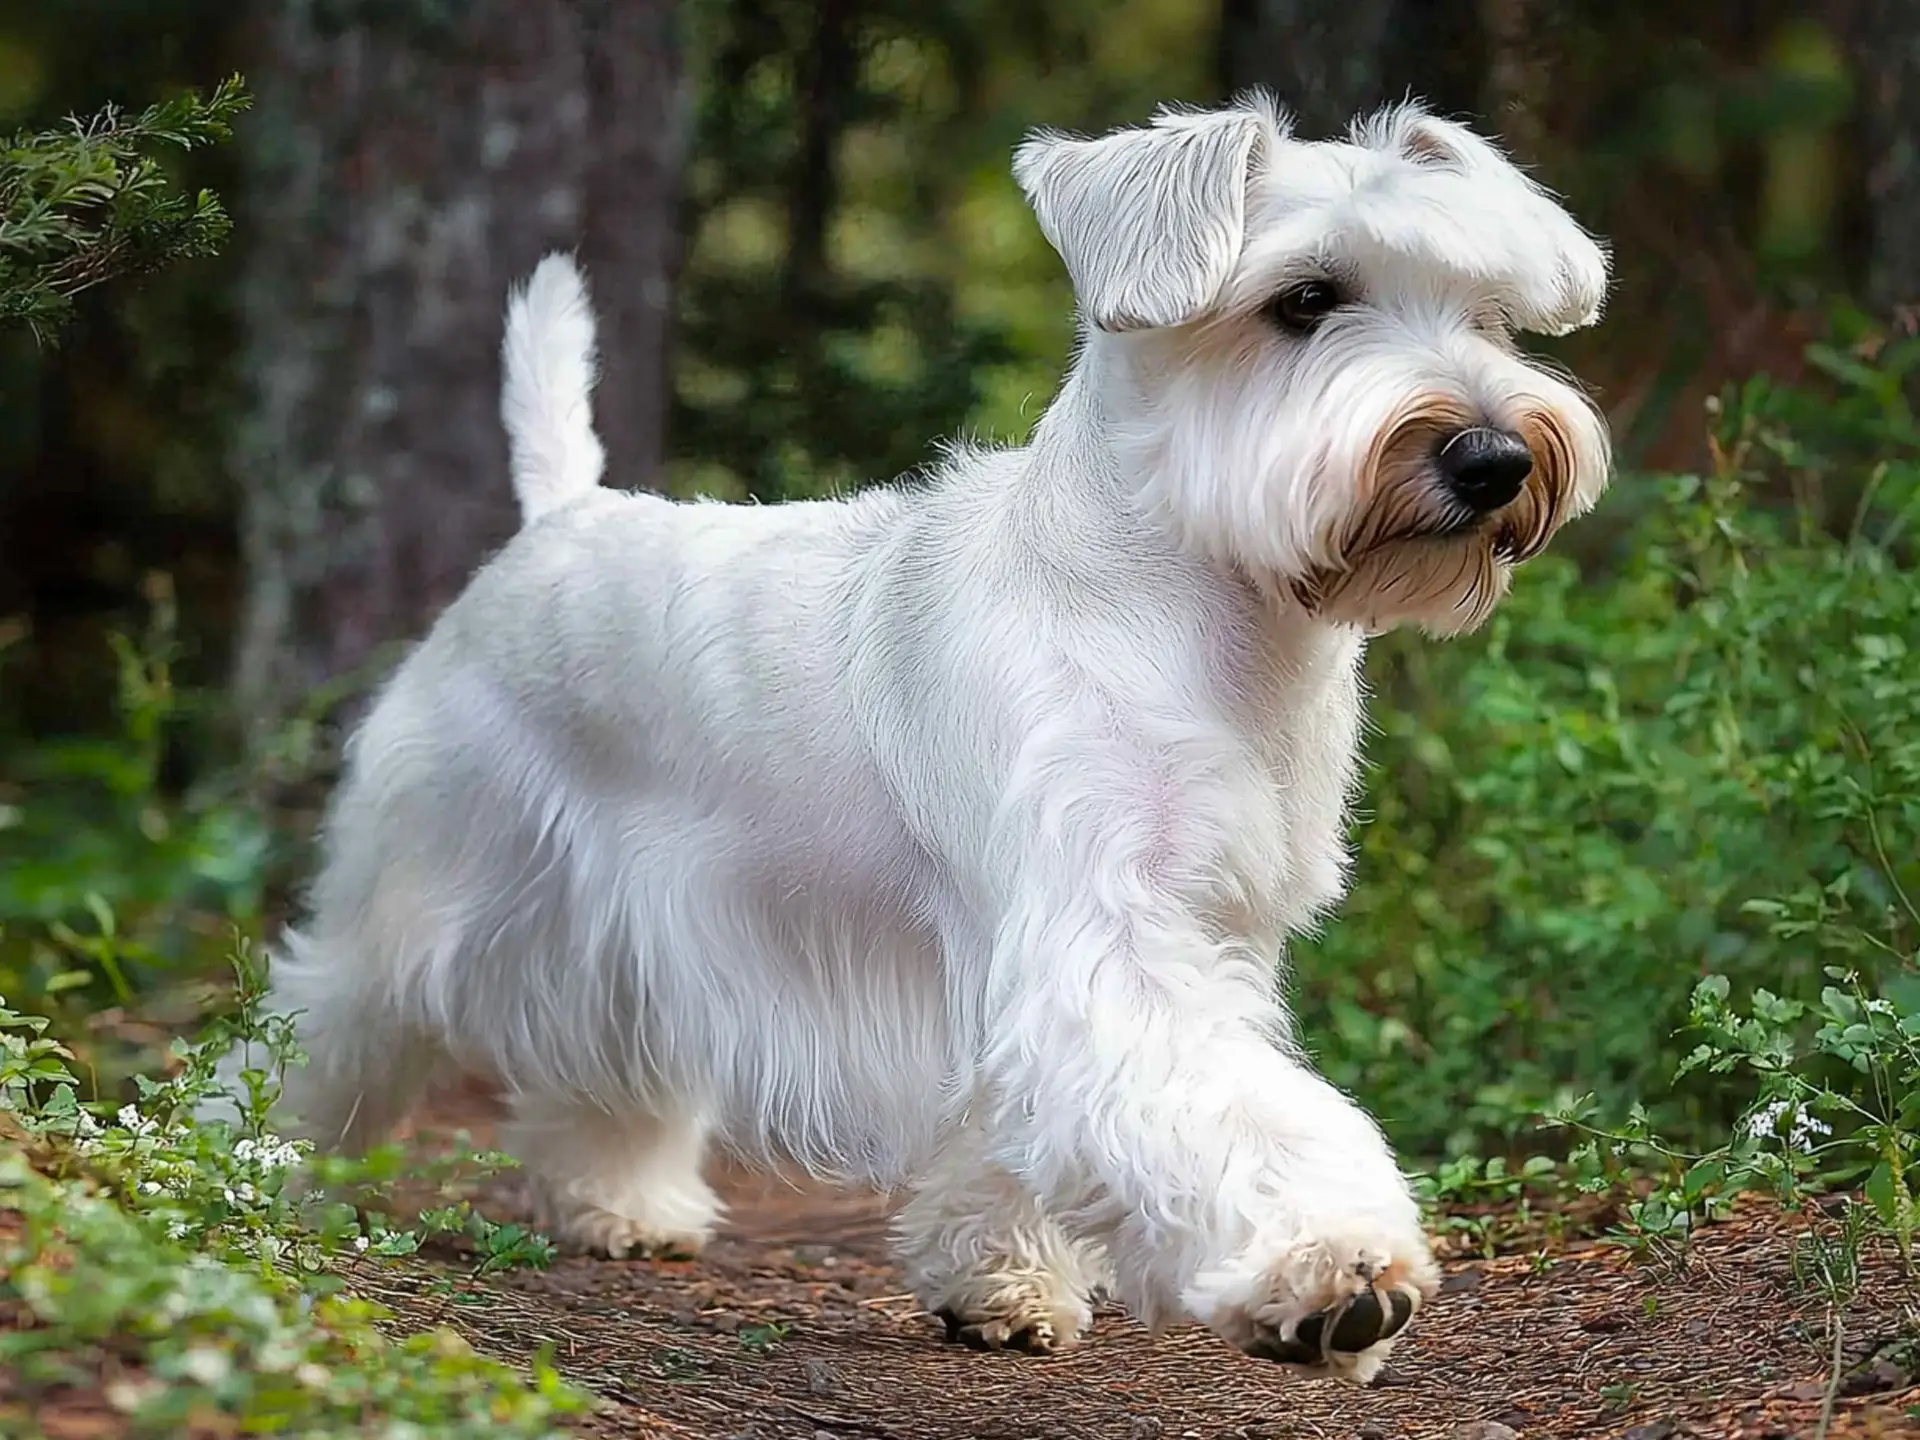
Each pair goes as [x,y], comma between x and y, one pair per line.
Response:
[618,1182]
[982,1256]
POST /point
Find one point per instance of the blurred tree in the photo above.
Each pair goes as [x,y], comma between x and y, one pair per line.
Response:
[821,348]
[861,274]
[410,160]
[863,277]
[111,440]
[1884,36]
[1328,59]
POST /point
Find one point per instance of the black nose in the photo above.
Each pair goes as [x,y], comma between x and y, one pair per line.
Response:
[1485,468]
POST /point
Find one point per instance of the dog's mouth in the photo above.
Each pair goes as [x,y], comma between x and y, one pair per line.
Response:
[1502,538]
[1437,557]
[1506,545]
[1463,524]
[1501,531]
[1513,534]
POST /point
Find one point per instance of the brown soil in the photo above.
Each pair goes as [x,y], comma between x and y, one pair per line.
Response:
[794,1325]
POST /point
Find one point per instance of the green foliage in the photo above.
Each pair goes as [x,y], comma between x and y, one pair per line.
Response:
[1838,1105]
[1842,1104]
[111,880]
[1704,762]
[90,202]
[1827,1263]
[165,1265]
[1492,1205]
[806,361]
[763,1339]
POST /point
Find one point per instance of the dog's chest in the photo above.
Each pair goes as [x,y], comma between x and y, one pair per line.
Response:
[1293,703]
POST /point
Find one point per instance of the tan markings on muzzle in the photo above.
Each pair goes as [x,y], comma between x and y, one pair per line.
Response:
[1396,502]
[1541,508]
[1392,491]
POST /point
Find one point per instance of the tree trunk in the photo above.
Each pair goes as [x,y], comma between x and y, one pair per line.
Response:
[1884,36]
[408,162]
[1328,60]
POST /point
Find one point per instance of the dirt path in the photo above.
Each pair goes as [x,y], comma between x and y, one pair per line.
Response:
[793,1325]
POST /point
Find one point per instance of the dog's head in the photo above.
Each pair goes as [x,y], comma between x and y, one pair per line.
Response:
[1306,350]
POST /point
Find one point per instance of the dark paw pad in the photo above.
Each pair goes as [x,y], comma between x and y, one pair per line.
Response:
[1035,1339]
[1348,1328]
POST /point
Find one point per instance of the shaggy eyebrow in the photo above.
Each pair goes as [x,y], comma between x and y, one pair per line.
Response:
[1264,286]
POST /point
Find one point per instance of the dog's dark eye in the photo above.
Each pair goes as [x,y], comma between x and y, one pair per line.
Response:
[1305,306]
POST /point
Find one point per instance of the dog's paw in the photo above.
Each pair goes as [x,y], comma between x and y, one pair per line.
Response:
[1325,1307]
[1348,1339]
[592,1231]
[1029,1312]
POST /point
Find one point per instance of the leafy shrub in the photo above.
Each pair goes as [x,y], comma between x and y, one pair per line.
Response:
[1837,1106]
[166,1268]
[1706,762]
[112,880]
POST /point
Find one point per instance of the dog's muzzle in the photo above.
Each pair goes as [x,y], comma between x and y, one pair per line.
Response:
[1484,468]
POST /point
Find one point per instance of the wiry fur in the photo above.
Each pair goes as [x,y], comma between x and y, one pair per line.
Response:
[546,399]
[954,832]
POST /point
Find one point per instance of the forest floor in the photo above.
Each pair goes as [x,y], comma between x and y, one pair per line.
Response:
[794,1324]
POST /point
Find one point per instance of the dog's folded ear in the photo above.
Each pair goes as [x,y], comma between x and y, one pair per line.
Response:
[1150,221]
[1564,285]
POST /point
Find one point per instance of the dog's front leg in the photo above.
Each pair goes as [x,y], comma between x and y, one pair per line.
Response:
[1144,1094]
[983,1256]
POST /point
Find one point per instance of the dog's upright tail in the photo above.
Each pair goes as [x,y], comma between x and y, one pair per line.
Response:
[546,397]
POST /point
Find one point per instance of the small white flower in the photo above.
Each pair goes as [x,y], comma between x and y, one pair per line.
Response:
[360,1243]
[85,1126]
[132,1119]
[206,1365]
[128,1395]
[149,1187]
[270,1152]
[177,1229]
[1805,1128]
[1802,1128]
[1877,1006]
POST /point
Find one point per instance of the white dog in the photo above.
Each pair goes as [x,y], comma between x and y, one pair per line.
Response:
[951,833]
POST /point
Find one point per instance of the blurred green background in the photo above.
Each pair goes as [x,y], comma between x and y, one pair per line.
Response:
[1689,745]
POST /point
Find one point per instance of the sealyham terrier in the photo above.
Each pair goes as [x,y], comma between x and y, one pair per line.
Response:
[949,834]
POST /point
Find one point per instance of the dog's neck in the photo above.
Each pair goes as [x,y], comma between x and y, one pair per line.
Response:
[1066,481]
[1072,445]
